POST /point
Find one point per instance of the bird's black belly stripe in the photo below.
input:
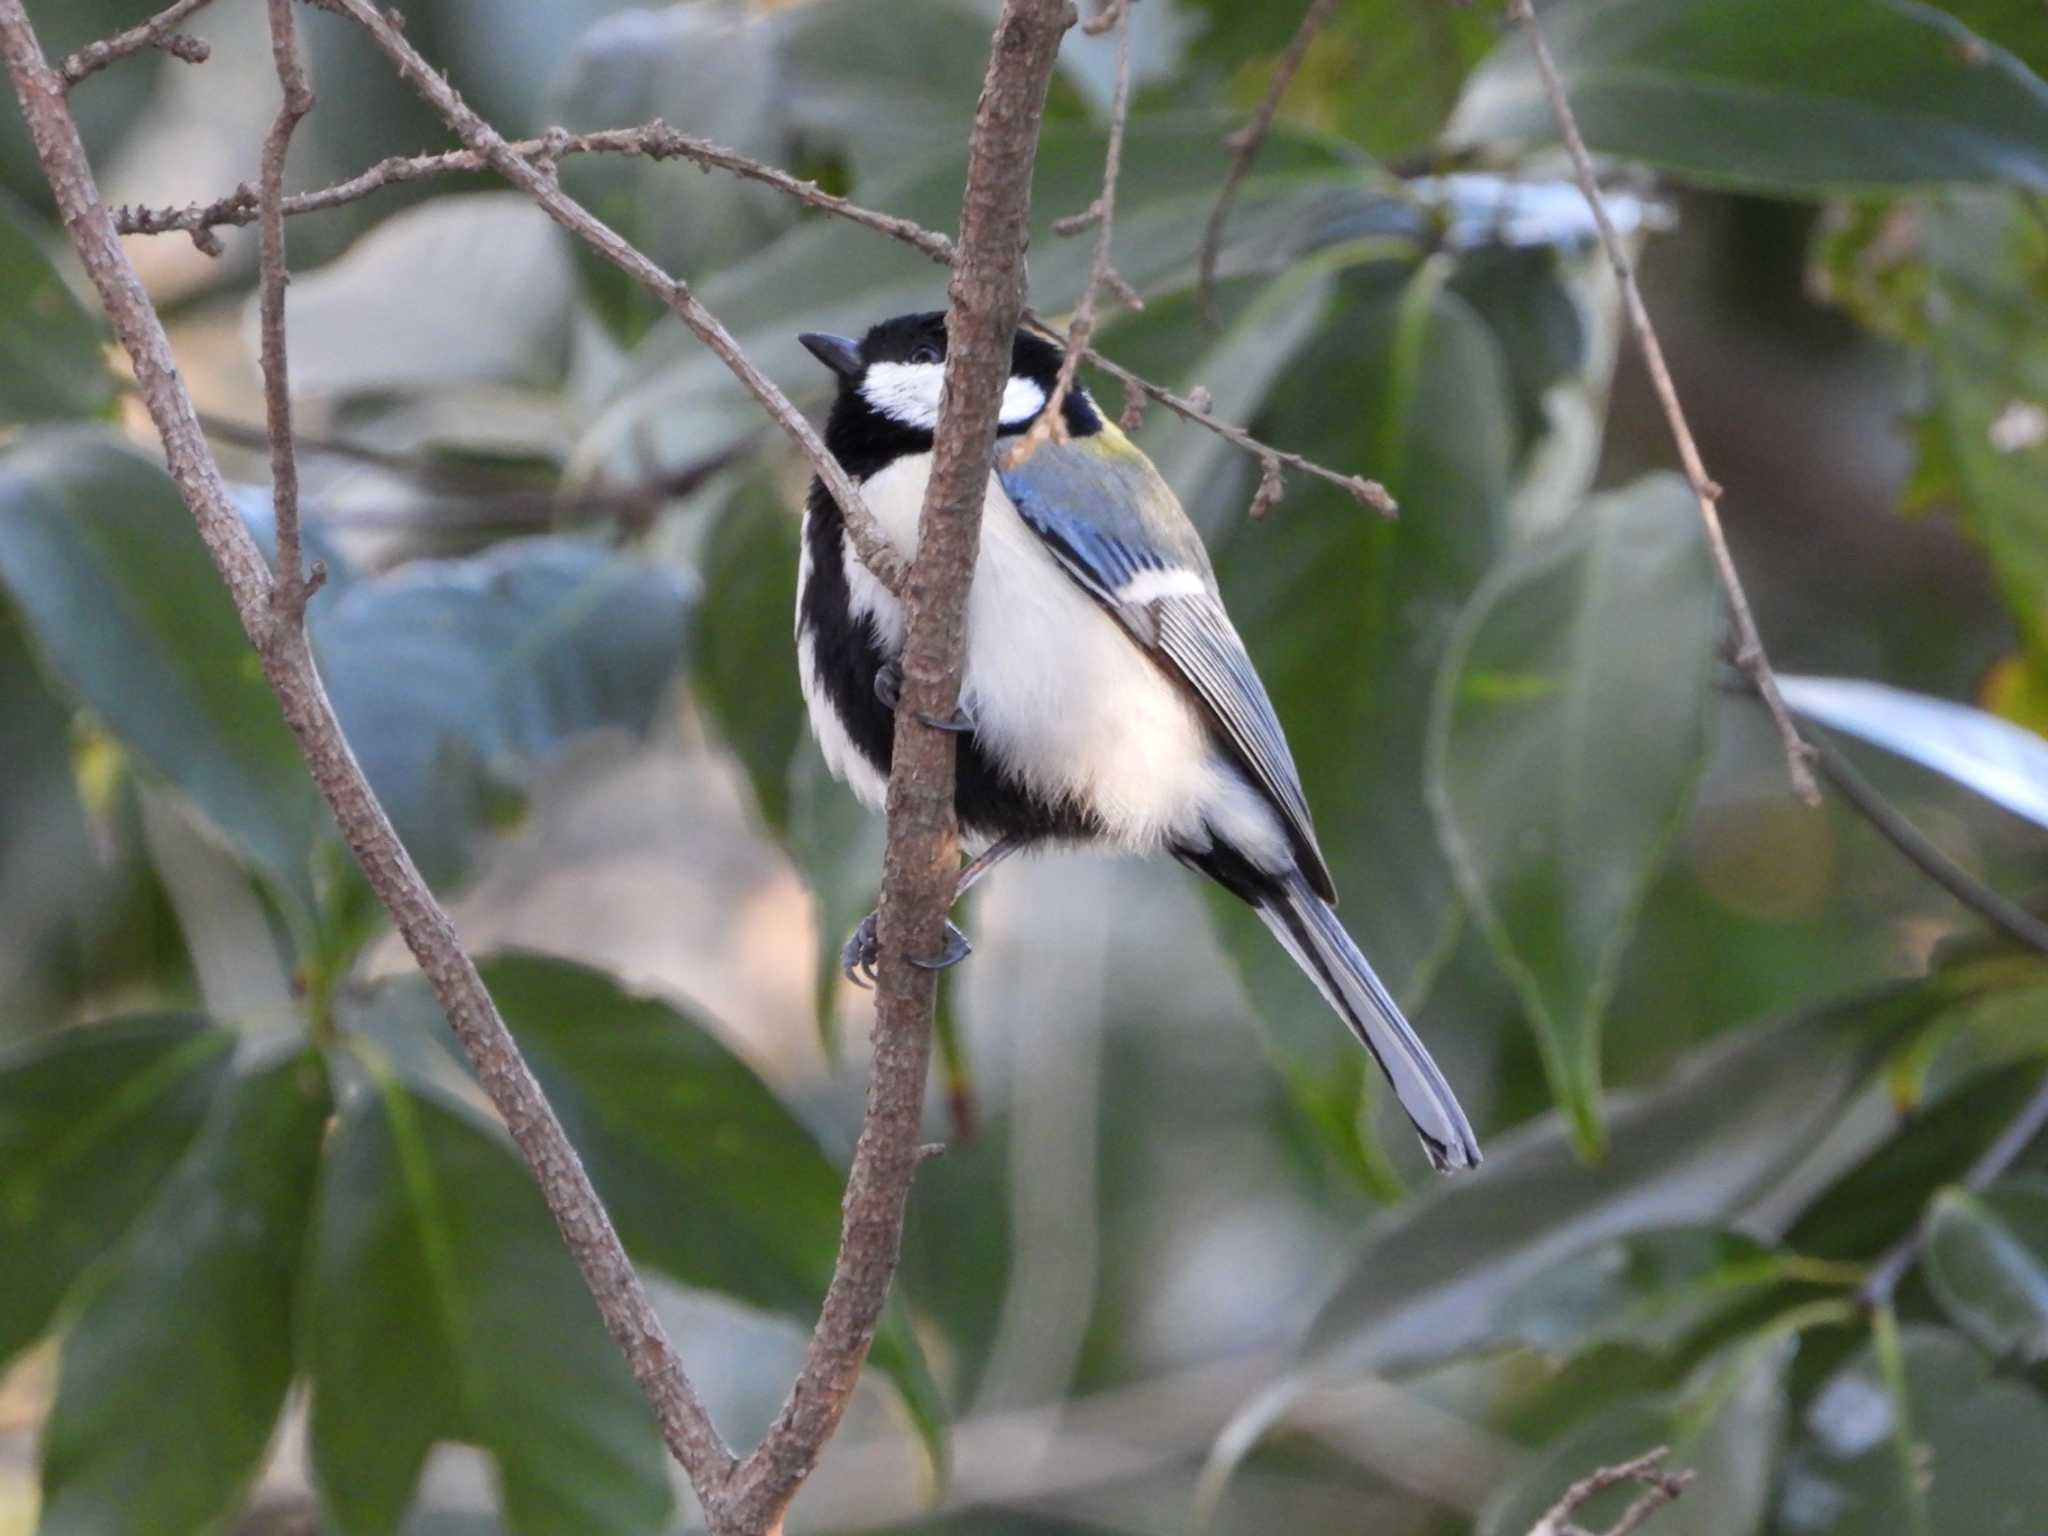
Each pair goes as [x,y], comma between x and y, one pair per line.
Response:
[848,654]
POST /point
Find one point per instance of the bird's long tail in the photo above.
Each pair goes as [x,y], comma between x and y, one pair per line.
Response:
[1307,927]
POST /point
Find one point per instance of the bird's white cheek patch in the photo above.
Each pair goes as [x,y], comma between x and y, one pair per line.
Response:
[909,393]
[1022,400]
[906,392]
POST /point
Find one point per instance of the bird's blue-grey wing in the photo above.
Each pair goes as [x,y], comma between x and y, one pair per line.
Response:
[1116,528]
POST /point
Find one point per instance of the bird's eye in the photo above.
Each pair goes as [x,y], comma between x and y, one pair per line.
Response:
[924,352]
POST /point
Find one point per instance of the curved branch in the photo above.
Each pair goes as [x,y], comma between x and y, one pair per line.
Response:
[288,668]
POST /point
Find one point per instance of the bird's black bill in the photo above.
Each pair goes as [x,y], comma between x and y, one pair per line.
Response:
[838,353]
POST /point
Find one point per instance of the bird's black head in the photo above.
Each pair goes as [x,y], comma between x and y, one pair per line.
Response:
[889,383]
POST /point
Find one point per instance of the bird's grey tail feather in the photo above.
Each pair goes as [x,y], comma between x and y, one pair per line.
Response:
[1306,926]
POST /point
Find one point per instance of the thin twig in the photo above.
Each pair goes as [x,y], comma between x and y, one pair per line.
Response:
[986,300]
[2009,917]
[1369,492]
[292,587]
[1659,1488]
[1246,145]
[1749,646]
[239,207]
[160,31]
[539,182]
[288,667]
[1101,214]
[654,140]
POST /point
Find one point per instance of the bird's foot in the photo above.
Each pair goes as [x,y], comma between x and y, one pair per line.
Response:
[861,953]
[889,689]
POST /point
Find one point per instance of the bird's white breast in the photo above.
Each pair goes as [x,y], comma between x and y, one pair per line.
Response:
[1058,691]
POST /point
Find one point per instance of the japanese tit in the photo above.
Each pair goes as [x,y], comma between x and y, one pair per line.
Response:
[1106,698]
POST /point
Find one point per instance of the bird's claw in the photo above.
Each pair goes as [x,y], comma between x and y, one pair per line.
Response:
[957,949]
[862,951]
[889,689]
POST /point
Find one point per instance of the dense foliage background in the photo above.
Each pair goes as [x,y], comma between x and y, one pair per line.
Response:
[1723,1050]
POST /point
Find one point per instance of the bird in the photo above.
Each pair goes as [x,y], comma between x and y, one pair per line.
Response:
[1105,700]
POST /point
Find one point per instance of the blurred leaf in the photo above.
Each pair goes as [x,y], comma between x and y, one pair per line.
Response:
[1963,279]
[2005,763]
[1939,1445]
[104,111]
[1987,1263]
[470,288]
[1826,96]
[1874,1204]
[91,1121]
[52,353]
[175,1370]
[1346,615]
[837,844]
[709,1177]
[127,609]
[746,668]
[710,70]
[456,679]
[1653,1289]
[1724,1425]
[1428,1278]
[1569,728]
[442,1306]
[1382,72]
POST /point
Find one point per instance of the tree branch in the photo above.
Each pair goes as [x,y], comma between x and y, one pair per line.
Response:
[292,587]
[1659,1488]
[288,667]
[160,31]
[654,140]
[986,300]
[1749,646]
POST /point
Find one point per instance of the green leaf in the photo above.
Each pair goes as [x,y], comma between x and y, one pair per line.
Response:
[442,1306]
[175,1369]
[1653,1289]
[91,1121]
[473,288]
[1987,1264]
[1570,725]
[1871,1206]
[455,679]
[1822,97]
[1428,1279]
[1935,1446]
[52,353]
[1346,616]
[1724,1425]
[127,610]
[746,667]
[1969,291]
[709,1176]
